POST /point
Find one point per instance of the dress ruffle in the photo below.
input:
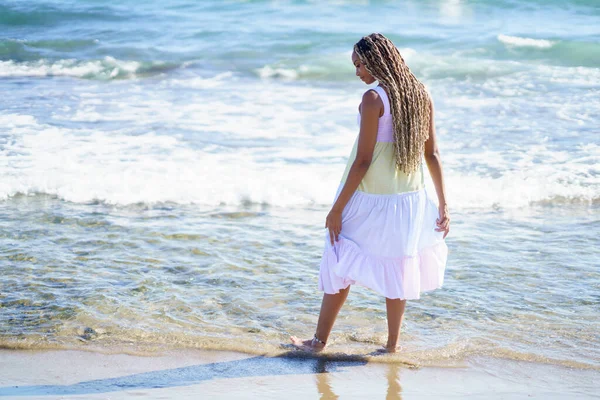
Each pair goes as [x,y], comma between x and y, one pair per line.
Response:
[389,244]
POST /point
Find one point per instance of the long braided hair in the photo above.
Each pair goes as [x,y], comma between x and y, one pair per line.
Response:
[409,99]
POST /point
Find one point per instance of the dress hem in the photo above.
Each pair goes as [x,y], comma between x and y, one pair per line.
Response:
[406,277]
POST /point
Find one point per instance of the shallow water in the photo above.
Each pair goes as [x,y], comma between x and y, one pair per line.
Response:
[167,171]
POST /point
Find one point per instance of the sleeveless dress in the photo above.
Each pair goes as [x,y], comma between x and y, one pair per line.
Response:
[388,240]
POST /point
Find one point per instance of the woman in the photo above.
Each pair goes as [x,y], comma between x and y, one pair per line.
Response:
[384,232]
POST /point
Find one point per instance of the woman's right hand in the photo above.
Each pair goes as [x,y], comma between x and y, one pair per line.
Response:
[443,222]
[334,224]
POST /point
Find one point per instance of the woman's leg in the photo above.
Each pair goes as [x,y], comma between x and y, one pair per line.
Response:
[395,315]
[330,307]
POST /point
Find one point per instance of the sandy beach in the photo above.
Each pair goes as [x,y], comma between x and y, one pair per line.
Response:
[59,374]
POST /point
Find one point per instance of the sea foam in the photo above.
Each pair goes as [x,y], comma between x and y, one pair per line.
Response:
[150,168]
[105,69]
[525,42]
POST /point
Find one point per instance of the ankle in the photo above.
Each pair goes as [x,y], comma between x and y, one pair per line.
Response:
[316,342]
[392,343]
[391,349]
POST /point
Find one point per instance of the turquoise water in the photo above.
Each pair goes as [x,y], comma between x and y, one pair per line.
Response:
[167,170]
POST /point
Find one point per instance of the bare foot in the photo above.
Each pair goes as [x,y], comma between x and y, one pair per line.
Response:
[309,345]
[384,350]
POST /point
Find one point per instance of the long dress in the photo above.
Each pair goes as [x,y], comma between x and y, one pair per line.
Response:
[388,240]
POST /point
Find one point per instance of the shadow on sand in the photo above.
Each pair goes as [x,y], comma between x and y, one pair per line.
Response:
[286,364]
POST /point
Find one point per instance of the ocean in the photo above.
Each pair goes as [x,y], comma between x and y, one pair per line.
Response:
[166,170]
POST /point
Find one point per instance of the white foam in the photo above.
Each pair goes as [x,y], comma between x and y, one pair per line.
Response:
[17,120]
[107,68]
[521,180]
[123,169]
[517,41]
[202,83]
[514,190]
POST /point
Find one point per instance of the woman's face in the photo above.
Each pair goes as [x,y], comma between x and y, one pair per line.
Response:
[361,71]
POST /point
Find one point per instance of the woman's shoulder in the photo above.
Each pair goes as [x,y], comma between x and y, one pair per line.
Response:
[375,99]
[371,94]
[377,94]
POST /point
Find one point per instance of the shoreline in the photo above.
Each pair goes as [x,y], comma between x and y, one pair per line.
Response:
[44,374]
[409,357]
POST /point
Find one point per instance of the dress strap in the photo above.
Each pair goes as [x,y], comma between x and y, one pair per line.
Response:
[384,98]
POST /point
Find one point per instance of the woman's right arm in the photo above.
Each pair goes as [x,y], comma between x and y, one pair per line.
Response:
[434,164]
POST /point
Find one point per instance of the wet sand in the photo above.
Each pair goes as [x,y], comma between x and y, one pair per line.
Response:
[191,374]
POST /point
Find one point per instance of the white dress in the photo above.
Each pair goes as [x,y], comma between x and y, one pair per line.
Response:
[388,240]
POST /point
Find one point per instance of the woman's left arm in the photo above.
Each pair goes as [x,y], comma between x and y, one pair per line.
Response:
[434,164]
[367,137]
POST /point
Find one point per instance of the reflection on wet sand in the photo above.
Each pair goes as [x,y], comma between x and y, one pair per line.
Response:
[323,381]
[394,387]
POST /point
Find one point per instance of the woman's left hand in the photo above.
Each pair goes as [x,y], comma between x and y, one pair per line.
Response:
[443,222]
[334,224]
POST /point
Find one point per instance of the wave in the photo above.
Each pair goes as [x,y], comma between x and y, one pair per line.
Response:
[486,62]
[85,58]
[155,169]
[333,69]
[269,199]
[106,69]
[525,42]
[338,67]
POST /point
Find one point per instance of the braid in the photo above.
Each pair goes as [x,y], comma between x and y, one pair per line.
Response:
[409,100]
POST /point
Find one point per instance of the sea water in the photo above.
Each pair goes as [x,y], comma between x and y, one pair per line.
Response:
[167,168]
